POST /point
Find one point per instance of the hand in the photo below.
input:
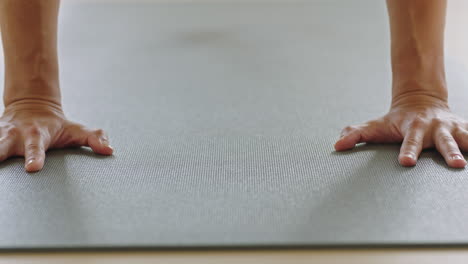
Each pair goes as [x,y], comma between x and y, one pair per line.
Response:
[419,122]
[30,127]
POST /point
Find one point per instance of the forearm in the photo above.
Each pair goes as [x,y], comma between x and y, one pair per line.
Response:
[29,34]
[417,48]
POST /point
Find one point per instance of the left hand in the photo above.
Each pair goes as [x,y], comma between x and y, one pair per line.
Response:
[419,122]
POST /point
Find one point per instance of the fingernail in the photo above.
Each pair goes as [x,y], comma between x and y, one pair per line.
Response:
[104,142]
[30,161]
[457,157]
[411,156]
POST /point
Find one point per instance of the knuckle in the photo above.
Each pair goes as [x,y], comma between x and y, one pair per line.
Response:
[99,132]
[350,128]
[34,131]
[412,141]
[437,121]
[446,138]
[33,147]
[458,132]
[13,131]
[419,121]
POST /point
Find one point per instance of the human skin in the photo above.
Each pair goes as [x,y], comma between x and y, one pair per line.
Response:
[419,114]
[33,120]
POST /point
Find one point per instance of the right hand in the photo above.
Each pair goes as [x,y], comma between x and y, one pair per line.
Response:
[29,128]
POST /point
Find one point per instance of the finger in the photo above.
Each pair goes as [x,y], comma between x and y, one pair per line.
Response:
[461,137]
[368,132]
[350,136]
[7,144]
[77,135]
[412,146]
[34,150]
[448,147]
[99,142]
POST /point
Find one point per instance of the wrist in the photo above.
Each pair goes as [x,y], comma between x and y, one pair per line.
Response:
[419,93]
[419,76]
[39,92]
[34,104]
[419,100]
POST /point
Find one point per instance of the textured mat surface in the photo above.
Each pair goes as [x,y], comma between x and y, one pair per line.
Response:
[223,117]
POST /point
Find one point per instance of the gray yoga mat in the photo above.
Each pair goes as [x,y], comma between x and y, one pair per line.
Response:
[223,118]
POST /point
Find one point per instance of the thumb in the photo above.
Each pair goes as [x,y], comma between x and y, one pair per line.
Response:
[370,132]
[98,141]
[76,135]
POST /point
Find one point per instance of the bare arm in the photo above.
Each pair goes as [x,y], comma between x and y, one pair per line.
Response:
[419,116]
[417,48]
[33,120]
[29,34]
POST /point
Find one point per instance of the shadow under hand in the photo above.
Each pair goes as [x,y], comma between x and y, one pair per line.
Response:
[438,159]
[366,147]
[431,154]
[57,154]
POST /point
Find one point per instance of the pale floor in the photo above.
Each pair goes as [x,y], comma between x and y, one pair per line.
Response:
[382,256]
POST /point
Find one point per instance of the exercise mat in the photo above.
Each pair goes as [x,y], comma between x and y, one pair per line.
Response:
[223,117]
